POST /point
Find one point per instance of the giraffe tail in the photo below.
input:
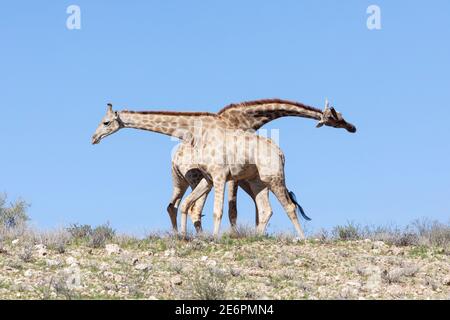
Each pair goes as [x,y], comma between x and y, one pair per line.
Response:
[299,207]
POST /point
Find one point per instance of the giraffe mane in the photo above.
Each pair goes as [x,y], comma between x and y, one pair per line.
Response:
[266,101]
[172,113]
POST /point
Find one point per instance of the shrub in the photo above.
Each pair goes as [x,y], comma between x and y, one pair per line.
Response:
[27,253]
[433,233]
[56,240]
[347,232]
[100,235]
[80,231]
[14,215]
[209,286]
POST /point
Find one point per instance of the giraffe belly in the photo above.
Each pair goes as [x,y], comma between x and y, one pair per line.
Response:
[242,171]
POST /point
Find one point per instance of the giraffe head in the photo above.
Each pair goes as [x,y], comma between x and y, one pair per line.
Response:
[110,123]
[332,118]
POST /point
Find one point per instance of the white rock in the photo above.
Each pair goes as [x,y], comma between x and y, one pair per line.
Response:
[52,263]
[71,261]
[143,267]
[353,284]
[176,280]
[374,279]
[298,240]
[378,245]
[15,241]
[169,252]
[204,258]
[28,273]
[228,255]
[211,263]
[112,248]
[103,266]
[41,250]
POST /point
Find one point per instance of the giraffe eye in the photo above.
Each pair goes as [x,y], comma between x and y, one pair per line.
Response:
[106,123]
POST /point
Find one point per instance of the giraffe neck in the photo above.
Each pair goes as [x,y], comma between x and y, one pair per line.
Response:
[255,114]
[182,125]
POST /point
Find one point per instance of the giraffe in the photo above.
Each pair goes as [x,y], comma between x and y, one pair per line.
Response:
[250,115]
[183,125]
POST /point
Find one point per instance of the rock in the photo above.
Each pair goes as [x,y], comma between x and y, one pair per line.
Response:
[397,251]
[169,252]
[112,248]
[374,279]
[28,273]
[446,281]
[41,250]
[15,241]
[143,267]
[378,245]
[117,278]
[71,261]
[103,266]
[228,255]
[298,262]
[211,263]
[204,258]
[298,240]
[348,292]
[52,263]
[176,280]
[134,261]
[73,277]
[353,284]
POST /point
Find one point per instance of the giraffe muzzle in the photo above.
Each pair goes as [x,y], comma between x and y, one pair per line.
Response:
[95,140]
[351,128]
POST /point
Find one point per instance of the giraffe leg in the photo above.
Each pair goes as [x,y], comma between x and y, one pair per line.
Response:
[278,187]
[219,190]
[179,188]
[195,212]
[232,209]
[245,185]
[203,187]
[261,198]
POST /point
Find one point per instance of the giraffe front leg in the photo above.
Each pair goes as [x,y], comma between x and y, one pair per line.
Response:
[179,188]
[219,190]
[202,188]
[195,212]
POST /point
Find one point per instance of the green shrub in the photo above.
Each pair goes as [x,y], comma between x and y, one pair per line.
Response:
[100,235]
[80,231]
[14,215]
[347,232]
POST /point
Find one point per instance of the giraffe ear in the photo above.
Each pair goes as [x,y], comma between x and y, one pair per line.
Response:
[334,113]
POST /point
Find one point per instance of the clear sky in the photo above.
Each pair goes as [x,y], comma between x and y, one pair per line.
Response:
[393,84]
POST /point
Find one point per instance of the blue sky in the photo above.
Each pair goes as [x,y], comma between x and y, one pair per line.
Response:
[393,84]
